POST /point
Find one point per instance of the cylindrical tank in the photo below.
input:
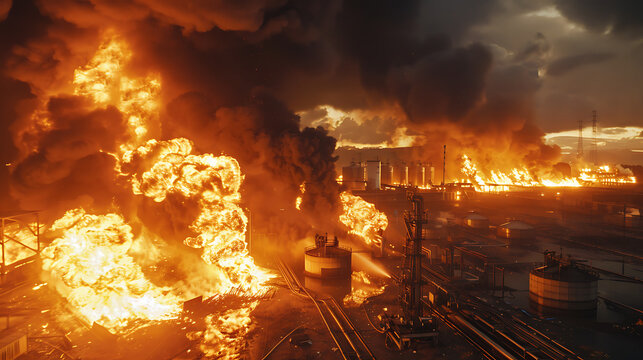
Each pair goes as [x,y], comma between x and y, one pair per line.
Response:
[327,259]
[516,230]
[373,174]
[476,221]
[563,287]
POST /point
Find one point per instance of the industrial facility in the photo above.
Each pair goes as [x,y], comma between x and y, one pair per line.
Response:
[321,180]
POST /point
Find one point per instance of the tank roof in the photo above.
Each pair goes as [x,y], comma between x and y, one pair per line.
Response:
[328,251]
[475,216]
[565,273]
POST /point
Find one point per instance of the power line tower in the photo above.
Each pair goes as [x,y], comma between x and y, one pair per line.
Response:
[594,141]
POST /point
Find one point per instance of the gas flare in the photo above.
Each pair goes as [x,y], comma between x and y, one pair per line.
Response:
[362,218]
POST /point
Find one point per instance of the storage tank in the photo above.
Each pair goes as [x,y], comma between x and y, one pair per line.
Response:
[387,174]
[353,176]
[563,284]
[516,230]
[373,174]
[327,259]
[476,221]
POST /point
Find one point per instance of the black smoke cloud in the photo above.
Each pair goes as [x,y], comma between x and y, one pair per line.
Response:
[70,166]
[235,75]
[618,17]
[564,65]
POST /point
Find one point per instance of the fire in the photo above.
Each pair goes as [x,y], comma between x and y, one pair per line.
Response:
[213,182]
[224,337]
[362,288]
[95,260]
[103,81]
[95,271]
[14,233]
[362,218]
[302,190]
[522,177]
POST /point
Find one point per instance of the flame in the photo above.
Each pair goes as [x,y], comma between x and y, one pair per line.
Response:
[302,190]
[522,177]
[96,262]
[14,251]
[213,182]
[224,336]
[362,218]
[364,290]
[104,81]
[99,276]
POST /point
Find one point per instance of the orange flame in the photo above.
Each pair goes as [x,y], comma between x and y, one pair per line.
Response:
[98,276]
[95,262]
[522,177]
[213,182]
[362,218]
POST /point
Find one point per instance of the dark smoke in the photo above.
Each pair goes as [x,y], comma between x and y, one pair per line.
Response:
[235,75]
[564,65]
[618,17]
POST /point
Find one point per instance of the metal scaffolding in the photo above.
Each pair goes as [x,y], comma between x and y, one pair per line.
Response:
[10,227]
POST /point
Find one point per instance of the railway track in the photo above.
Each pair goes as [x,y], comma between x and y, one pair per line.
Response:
[496,335]
[349,341]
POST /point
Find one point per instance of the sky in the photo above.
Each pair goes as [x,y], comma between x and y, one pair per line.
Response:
[583,56]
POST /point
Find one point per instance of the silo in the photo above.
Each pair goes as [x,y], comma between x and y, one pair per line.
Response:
[401,174]
[516,230]
[562,284]
[353,176]
[327,259]
[387,174]
[373,174]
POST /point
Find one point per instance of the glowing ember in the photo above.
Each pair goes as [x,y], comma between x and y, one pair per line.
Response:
[362,218]
[99,278]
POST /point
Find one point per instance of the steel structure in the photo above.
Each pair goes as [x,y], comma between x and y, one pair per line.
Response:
[412,269]
[10,226]
[412,326]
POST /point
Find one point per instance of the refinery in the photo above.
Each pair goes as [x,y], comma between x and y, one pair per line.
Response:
[345,180]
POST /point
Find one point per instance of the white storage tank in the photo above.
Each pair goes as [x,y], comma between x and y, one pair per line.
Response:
[327,259]
[561,284]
